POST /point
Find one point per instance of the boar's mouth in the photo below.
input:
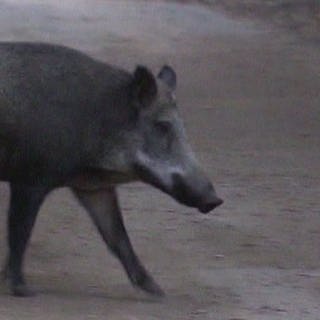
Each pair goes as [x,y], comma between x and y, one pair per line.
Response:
[147,176]
[202,196]
[177,188]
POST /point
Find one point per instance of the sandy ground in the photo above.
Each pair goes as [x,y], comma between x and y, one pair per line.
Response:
[250,97]
[301,17]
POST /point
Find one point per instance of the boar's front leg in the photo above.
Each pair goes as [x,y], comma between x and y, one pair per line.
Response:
[104,210]
[25,202]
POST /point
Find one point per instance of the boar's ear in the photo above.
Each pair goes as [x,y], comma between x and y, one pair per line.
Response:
[168,76]
[144,86]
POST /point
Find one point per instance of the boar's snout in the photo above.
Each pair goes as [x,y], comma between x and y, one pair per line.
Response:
[210,204]
[196,191]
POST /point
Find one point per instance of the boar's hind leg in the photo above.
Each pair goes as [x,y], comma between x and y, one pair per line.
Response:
[104,210]
[24,205]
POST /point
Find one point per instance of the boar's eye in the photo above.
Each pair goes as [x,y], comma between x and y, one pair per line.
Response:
[163,127]
[164,134]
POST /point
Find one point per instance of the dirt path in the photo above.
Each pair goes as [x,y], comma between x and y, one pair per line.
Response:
[300,17]
[250,97]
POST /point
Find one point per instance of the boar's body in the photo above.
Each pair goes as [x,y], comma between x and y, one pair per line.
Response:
[57,109]
[69,120]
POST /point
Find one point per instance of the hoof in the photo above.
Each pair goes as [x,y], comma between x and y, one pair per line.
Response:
[22,290]
[145,283]
[152,288]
